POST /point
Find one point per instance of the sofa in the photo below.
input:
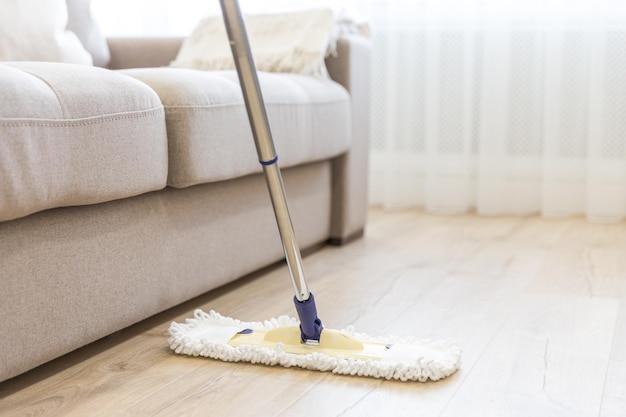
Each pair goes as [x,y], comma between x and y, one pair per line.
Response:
[128,189]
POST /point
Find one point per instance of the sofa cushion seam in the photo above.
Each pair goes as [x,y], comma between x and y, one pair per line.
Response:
[268,103]
[17,122]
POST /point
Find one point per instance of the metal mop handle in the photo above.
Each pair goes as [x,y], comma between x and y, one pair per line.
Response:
[235,27]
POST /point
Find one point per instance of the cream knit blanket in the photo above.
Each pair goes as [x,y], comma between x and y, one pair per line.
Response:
[290,42]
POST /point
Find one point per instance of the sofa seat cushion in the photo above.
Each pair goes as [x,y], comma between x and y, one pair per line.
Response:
[75,135]
[209,135]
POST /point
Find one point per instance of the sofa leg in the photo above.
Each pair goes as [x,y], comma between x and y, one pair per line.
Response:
[340,241]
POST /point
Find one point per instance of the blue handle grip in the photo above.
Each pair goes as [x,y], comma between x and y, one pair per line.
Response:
[310,325]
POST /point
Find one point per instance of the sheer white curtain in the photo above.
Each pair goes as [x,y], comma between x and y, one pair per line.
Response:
[500,107]
[497,106]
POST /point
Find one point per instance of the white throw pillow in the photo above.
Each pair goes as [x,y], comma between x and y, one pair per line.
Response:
[291,42]
[83,24]
[35,30]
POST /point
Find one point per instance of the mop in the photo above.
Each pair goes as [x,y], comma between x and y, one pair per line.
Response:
[302,342]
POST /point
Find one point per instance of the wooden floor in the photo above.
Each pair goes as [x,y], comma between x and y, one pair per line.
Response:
[539,307]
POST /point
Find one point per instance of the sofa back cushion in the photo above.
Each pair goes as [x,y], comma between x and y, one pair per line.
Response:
[36,30]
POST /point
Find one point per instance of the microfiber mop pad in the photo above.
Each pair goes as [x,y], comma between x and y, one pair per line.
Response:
[277,342]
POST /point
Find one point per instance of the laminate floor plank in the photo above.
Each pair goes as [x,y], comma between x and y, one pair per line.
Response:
[614,399]
[548,359]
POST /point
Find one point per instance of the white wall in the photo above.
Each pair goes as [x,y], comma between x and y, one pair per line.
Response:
[179,17]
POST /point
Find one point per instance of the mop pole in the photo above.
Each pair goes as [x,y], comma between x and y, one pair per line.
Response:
[310,324]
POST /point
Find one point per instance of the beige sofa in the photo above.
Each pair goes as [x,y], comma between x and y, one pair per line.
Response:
[128,190]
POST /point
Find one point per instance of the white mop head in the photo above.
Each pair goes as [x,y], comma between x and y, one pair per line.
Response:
[273,343]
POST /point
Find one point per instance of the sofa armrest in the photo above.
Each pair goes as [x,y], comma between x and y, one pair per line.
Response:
[351,68]
[139,52]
